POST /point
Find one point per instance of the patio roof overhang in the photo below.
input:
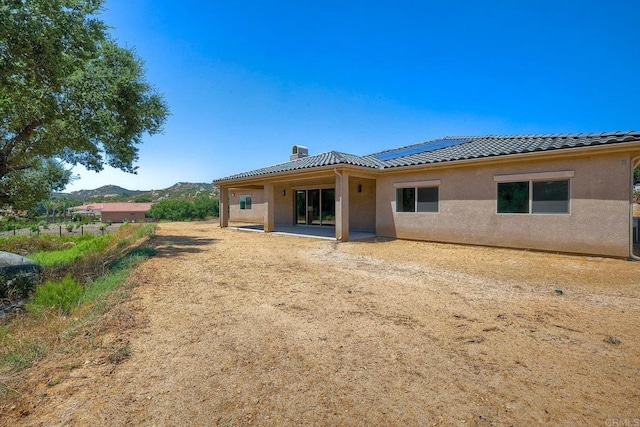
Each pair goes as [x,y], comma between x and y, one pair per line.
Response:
[299,175]
[336,175]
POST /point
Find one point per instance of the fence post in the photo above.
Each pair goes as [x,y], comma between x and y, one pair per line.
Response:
[60,231]
[82,230]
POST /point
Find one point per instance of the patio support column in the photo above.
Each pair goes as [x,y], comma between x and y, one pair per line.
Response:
[269,208]
[224,207]
[342,206]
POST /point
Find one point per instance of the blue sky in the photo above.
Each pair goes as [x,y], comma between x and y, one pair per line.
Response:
[246,80]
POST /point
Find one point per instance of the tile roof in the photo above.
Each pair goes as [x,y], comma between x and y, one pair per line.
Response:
[324,159]
[490,146]
[115,207]
[126,207]
[92,206]
[462,148]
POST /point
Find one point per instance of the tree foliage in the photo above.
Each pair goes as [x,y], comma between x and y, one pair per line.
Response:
[24,189]
[184,210]
[68,93]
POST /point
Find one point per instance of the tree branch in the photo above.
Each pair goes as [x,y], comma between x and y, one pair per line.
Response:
[23,135]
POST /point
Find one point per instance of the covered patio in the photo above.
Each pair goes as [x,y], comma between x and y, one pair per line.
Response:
[325,232]
[329,202]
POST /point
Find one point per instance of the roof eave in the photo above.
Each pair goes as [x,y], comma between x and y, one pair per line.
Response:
[281,176]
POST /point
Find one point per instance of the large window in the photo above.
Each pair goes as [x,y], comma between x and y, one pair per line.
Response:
[245,202]
[546,197]
[513,197]
[405,200]
[417,199]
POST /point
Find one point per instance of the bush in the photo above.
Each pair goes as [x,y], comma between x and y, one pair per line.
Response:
[205,207]
[63,295]
[9,223]
[184,210]
[172,210]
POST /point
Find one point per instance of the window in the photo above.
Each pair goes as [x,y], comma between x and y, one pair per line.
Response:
[245,202]
[550,197]
[405,200]
[546,197]
[513,197]
[417,199]
[428,199]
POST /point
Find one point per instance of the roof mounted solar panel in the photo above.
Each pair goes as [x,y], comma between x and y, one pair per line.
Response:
[418,148]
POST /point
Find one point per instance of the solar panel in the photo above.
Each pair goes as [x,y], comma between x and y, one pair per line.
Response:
[419,148]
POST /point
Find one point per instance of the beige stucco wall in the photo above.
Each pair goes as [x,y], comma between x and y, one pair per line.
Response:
[362,205]
[253,215]
[284,209]
[598,223]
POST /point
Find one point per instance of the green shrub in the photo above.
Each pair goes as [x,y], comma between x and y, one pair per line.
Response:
[35,228]
[63,295]
[184,210]
[205,206]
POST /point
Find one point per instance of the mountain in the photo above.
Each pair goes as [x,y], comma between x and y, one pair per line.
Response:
[107,191]
[114,193]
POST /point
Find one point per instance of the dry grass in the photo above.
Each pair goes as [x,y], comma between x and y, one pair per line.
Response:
[237,328]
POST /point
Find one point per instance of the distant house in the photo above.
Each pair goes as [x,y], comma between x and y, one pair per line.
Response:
[563,192]
[115,212]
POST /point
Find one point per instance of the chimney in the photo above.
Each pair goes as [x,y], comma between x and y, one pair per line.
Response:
[298,152]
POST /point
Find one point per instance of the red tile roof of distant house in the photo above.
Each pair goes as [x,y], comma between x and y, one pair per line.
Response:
[115,207]
[92,206]
[126,207]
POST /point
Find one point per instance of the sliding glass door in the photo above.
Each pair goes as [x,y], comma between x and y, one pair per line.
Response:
[328,208]
[316,207]
[301,207]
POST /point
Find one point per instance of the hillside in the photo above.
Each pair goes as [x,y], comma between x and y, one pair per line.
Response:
[107,191]
[114,193]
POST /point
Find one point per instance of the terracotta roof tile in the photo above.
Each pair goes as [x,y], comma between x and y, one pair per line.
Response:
[115,207]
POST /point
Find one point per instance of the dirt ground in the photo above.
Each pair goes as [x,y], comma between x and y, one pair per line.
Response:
[230,327]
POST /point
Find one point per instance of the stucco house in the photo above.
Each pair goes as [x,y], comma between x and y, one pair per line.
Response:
[564,192]
[115,212]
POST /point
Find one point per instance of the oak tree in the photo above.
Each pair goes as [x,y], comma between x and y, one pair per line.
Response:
[68,93]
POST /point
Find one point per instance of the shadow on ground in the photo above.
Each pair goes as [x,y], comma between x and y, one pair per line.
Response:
[171,246]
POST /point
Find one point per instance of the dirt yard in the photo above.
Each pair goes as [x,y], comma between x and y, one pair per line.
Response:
[231,327]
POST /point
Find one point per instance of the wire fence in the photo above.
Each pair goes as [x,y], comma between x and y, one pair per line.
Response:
[63,229]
